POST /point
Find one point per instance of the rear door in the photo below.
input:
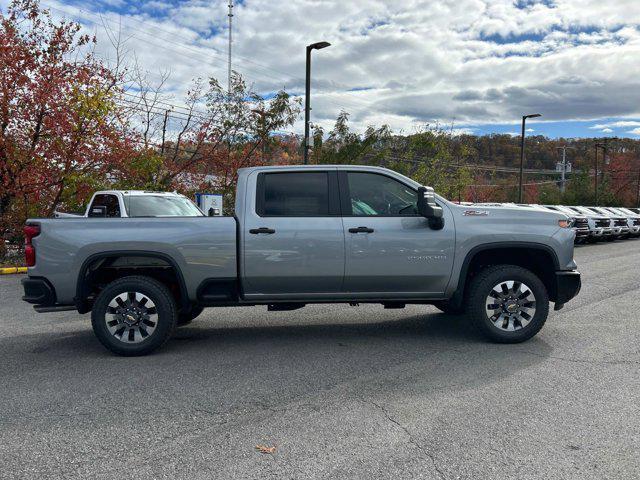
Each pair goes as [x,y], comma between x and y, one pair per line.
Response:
[293,238]
[390,249]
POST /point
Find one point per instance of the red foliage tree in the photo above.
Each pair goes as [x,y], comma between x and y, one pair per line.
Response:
[59,124]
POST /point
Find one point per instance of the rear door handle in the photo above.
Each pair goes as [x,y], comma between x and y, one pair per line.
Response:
[361,230]
[256,231]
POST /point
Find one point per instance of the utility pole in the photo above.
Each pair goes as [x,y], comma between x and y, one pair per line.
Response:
[638,189]
[164,131]
[595,176]
[563,167]
[230,15]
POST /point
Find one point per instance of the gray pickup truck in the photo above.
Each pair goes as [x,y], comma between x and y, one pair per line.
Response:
[305,234]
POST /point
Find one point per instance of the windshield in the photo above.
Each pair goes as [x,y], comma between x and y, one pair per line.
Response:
[161,206]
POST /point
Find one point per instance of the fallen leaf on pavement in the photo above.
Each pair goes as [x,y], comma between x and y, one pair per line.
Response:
[266,450]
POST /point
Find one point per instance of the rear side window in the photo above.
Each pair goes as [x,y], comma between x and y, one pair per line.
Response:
[107,202]
[295,194]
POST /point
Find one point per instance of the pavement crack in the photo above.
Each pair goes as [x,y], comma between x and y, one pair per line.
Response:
[409,435]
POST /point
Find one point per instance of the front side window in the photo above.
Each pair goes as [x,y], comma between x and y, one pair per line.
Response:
[297,194]
[160,206]
[371,194]
[106,203]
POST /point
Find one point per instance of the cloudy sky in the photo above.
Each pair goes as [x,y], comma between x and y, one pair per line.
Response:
[478,65]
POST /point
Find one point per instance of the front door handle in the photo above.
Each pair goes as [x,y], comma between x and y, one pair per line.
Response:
[256,231]
[361,230]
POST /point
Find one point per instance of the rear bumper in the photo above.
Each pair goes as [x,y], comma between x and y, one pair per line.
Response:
[568,285]
[38,291]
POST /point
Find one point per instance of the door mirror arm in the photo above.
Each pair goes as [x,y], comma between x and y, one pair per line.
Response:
[429,209]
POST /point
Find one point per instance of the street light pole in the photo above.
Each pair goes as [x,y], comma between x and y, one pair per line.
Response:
[524,120]
[307,95]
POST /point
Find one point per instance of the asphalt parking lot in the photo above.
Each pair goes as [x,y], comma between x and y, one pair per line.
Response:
[340,392]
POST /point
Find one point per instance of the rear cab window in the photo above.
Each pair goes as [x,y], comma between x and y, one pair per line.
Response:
[297,194]
[105,205]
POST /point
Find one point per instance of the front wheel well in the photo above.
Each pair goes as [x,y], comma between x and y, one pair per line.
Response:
[98,271]
[538,260]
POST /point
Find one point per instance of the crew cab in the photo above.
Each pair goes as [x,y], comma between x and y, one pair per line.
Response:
[300,235]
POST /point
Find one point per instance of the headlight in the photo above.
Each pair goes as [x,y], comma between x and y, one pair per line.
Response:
[565,223]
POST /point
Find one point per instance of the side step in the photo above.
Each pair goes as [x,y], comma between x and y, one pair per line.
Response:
[394,305]
[284,307]
[55,308]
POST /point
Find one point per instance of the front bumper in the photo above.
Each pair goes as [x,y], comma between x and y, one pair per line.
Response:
[581,232]
[568,285]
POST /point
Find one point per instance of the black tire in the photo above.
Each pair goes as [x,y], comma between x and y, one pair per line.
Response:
[187,318]
[164,316]
[482,285]
[446,307]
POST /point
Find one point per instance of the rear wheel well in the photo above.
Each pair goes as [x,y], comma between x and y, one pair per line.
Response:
[538,260]
[99,271]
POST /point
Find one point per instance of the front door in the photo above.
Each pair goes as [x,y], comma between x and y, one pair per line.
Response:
[390,249]
[293,236]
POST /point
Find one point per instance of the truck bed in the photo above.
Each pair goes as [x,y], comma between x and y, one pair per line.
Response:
[201,247]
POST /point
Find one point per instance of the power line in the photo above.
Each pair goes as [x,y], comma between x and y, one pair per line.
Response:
[215,52]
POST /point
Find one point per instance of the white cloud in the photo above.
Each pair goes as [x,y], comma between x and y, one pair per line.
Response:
[411,62]
[635,131]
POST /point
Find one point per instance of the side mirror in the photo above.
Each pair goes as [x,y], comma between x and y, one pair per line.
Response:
[429,209]
[98,211]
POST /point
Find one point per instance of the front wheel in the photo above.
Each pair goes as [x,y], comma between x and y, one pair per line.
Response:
[134,315]
[508,304]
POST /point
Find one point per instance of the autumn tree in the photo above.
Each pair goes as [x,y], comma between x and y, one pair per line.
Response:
[59,124]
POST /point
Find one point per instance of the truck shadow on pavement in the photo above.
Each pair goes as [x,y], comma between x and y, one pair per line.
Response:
[428,352]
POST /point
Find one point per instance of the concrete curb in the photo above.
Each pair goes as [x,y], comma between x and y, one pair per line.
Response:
[10,270]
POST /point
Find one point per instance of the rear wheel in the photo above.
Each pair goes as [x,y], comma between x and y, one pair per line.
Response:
[508,304]
[134,315]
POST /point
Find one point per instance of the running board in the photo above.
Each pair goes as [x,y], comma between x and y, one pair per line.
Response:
[284,307]
[55,308]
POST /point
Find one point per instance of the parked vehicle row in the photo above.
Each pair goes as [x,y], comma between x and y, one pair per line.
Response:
[592,224]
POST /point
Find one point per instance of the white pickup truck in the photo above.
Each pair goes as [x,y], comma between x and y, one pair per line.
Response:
[136,203]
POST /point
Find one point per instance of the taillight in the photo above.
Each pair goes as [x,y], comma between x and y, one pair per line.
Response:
[30,231]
